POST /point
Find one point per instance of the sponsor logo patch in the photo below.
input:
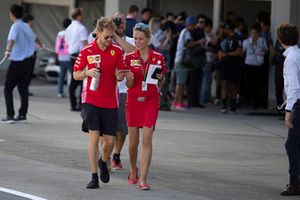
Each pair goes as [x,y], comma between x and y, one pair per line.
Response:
[135,63]
[94,59]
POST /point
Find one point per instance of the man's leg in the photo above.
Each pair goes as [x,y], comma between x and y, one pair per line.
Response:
[107,148]
[9,85]
[23,86]
[116,161]
[146,154]
[133,134]
[93,153]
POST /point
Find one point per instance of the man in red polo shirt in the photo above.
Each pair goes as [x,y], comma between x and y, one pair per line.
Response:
[97,65]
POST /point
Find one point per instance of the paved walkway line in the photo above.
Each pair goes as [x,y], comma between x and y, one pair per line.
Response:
[21,194]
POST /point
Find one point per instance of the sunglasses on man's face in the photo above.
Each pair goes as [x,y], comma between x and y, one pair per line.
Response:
[108,37]
[201,22]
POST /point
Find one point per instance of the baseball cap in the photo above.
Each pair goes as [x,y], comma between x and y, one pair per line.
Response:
[190,20]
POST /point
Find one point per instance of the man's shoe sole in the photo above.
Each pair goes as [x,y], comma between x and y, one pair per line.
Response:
[8,122]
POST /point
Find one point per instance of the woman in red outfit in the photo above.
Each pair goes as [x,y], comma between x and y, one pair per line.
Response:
[142,101]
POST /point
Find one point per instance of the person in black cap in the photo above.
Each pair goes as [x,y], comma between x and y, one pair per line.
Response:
[230,54]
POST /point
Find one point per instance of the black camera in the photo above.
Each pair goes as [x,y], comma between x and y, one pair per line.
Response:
[117,21]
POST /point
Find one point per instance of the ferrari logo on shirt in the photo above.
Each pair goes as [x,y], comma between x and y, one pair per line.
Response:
[153,59]
[112,52]
[135,63]
[94,59]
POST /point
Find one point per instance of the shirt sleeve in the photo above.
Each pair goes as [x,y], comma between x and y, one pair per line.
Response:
[291,83]
[13,33]
[245,45]
[81,61]
[83,34]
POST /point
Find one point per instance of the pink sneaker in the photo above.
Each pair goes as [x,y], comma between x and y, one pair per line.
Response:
[116,165]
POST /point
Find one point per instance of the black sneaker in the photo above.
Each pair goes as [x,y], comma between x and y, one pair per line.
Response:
[21,119]
[93,184]
[104,173]
[8,120]
[291,190]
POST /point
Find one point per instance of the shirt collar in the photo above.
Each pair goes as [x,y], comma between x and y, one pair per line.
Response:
[137,55]
[289,49]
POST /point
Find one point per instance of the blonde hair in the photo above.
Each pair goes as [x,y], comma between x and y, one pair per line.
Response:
[105,23]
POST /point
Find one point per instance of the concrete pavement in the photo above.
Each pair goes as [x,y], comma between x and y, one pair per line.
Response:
[198,154]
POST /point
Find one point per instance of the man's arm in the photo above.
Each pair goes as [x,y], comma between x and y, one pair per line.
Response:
[10,45]
[128,48]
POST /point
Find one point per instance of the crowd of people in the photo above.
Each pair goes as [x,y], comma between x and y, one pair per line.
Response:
[128,69]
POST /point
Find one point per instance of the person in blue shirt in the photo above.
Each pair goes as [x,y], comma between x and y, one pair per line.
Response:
[20,49]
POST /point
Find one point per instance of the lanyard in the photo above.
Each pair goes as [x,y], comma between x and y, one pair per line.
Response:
[145,72]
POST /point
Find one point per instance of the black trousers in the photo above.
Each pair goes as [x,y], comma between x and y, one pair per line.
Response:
[292,146]
[18,74]
[279,83]
[194,86]
[74,100]
[252,83]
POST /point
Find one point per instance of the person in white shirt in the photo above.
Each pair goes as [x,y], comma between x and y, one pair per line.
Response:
[76,36]
[288,36]
[254,47]
[127,44]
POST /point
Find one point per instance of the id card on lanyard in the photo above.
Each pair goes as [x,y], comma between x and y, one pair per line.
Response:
[144,84]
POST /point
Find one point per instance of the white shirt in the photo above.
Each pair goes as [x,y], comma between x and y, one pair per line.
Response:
[291,75]
[255,52]
[122,84]
[75,34]
[184,37]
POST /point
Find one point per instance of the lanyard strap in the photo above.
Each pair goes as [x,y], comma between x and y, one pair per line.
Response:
[145,72]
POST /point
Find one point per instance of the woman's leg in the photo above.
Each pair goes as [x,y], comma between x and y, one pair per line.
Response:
[146,155]
[133,134]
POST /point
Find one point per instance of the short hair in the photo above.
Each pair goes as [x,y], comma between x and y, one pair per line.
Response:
[133,8]
[202,16]
[288,34]
[256,27]
[66,22]
[146,10]
[27,18]
[170,14]
[142,28]
[208,22]
[76,13]
[105,23]
[17,11]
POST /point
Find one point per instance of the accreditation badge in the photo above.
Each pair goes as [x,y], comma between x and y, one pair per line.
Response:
[144,86]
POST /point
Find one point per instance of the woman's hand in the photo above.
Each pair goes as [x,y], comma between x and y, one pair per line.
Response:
[94,72]
[160,76]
